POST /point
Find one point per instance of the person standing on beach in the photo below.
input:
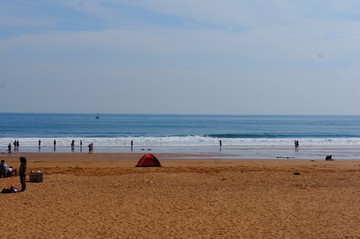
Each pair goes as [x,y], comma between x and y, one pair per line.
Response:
[91,148]
[72,145]
[16,145]
[22,173]
[9,148]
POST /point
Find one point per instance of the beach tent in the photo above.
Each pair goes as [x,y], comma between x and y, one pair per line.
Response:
[148,160]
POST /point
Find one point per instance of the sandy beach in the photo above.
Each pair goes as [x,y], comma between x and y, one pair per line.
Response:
[105,196]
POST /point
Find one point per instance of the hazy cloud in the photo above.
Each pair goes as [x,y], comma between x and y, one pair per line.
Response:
[207,56]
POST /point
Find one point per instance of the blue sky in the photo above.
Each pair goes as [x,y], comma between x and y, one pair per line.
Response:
[180,56]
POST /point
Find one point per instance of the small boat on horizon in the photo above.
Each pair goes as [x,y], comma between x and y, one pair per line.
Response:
[97,116]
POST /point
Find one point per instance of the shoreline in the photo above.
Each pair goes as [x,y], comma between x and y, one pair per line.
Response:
[215,152]
[43,161]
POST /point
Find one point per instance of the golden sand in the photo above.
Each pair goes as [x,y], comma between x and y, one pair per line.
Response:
[105,196]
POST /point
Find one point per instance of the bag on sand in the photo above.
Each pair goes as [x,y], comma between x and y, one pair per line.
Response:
[12,189]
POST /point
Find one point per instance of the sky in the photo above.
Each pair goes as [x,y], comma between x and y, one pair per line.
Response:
[180,56]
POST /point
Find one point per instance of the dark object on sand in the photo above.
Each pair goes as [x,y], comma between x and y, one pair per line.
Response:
[297,173]
[12,189]
[329,158]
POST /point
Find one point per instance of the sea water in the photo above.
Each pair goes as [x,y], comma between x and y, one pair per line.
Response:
[251,136]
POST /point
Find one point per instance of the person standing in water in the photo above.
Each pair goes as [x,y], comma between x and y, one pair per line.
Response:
[296,142]
[22,173]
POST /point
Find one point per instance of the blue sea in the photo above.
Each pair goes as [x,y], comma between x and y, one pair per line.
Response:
[250,136]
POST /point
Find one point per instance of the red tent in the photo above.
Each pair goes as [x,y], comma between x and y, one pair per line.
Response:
[148,160]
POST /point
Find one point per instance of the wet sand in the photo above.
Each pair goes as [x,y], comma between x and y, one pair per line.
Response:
[105,196]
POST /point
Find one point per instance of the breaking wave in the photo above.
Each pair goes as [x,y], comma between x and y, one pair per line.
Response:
[209,140]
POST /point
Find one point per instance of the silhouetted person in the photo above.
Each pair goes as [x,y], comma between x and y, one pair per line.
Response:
[16,145]
[296,143]
[72,145]
[22,173]
[91,148]
[9,148]
[3,169]
[329,158]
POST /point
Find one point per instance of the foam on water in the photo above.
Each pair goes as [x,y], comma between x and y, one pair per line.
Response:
[187,141]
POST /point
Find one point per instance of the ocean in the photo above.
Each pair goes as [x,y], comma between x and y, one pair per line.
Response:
[197,134]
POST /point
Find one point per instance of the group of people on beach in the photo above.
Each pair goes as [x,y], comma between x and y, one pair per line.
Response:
[16,144]
[72,145]
[6,171]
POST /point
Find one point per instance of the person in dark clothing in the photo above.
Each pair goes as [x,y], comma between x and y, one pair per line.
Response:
[3,169]
[296,142]
[22,173]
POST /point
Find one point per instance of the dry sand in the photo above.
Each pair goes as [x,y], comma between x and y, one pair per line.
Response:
[105,196]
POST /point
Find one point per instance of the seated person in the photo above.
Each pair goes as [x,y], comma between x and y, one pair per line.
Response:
[3,169]
[11,171]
